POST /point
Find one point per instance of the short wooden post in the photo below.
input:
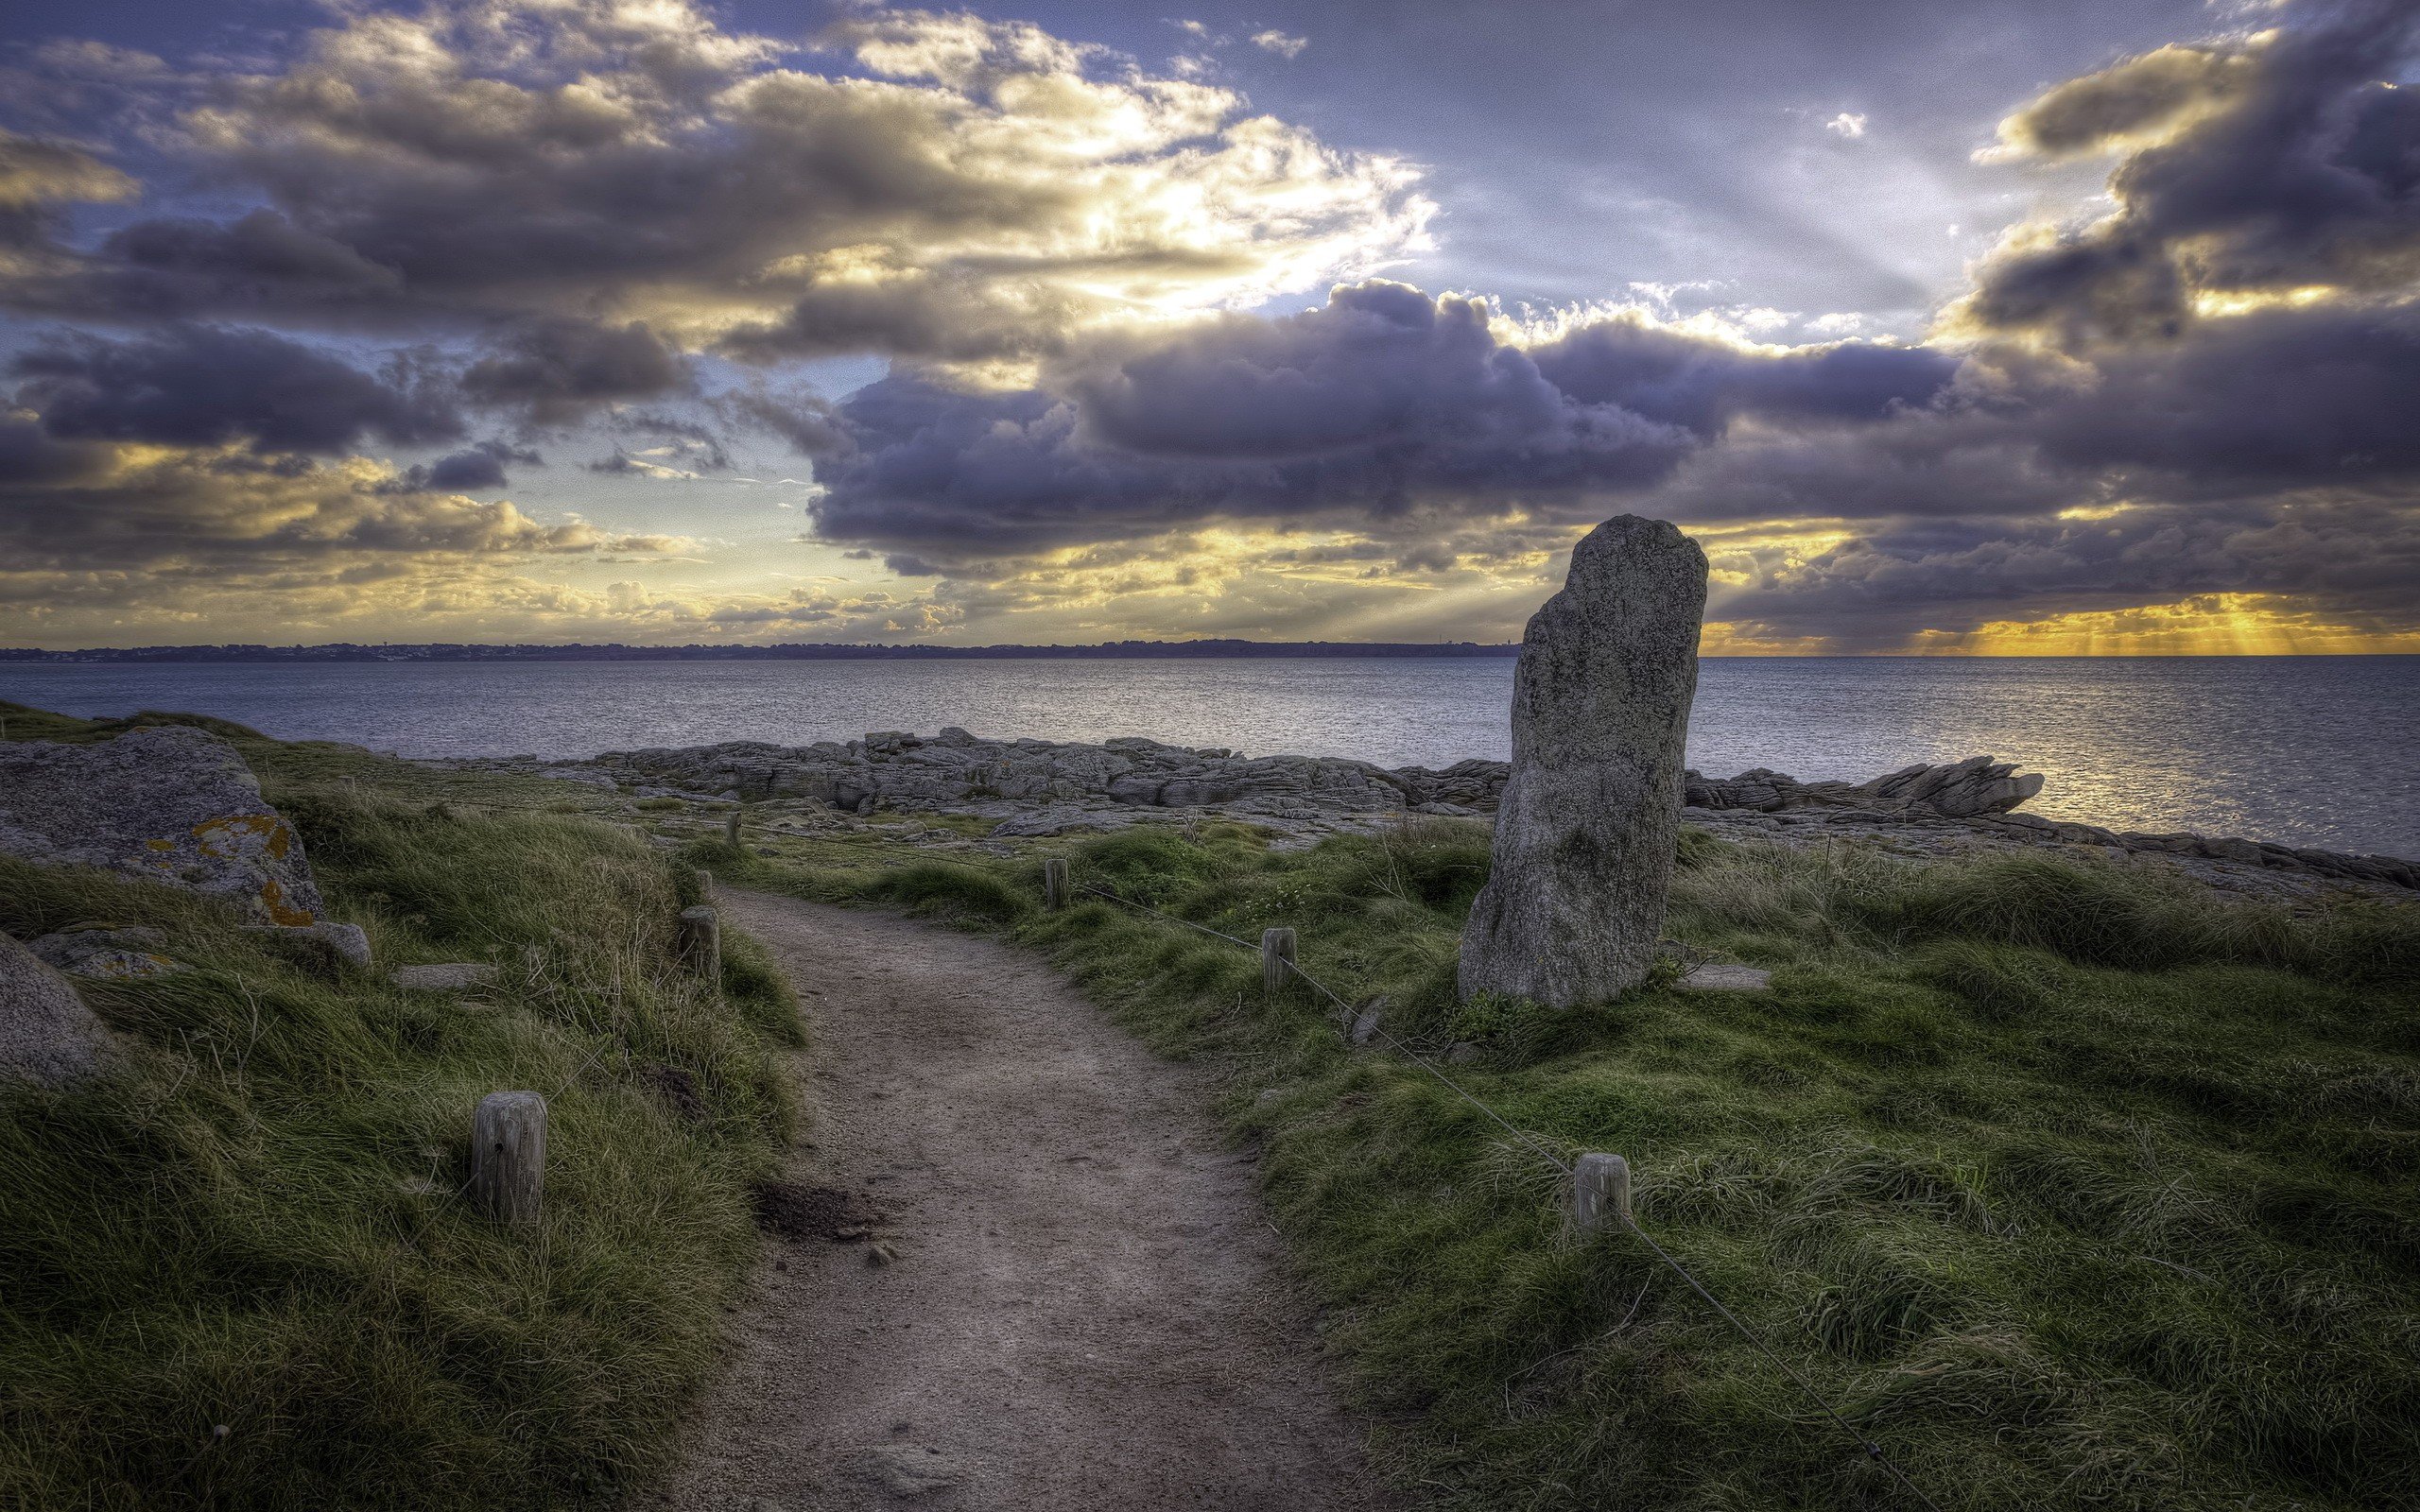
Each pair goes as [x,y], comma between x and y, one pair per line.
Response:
[700,941]
[1054,884]
[731,830]
[509,1155]
[1276,959]
[705,885]
[1600,1192]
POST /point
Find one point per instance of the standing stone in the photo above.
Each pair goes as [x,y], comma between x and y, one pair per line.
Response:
[48,1035]
[1590,817]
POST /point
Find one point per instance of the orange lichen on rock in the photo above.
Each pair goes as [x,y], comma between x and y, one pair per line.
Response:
[278,910]
[244,834]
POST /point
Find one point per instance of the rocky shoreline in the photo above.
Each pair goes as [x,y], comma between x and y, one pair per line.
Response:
[1038,788]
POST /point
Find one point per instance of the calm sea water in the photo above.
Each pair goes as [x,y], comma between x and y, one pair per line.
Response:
[2310,750]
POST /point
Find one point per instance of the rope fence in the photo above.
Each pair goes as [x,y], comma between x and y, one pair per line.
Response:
[1600,1183]
[1583,1208]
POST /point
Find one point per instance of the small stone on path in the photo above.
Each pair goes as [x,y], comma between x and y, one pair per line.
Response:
[449,976]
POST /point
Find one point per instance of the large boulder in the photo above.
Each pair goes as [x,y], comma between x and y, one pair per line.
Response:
[1590,817]
[165,803]
[47,1035]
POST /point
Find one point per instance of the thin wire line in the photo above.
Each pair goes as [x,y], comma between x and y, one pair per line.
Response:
[1870,1448]
[1104,892]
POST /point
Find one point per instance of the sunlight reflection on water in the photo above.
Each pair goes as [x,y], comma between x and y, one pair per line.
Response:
[2314,750]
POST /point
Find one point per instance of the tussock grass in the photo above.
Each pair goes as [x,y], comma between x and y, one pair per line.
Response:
[242,1273]
[2074,1185]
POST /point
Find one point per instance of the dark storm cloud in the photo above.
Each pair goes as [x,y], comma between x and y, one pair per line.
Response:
[2298,166]
[555,370]
[2355,559]
[478,466]
[2235,410]
[204,386]
[1380,400]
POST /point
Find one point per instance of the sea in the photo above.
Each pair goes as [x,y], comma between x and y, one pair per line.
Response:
[2302,751]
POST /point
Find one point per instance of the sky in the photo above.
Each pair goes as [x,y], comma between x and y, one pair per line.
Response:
[2004,327]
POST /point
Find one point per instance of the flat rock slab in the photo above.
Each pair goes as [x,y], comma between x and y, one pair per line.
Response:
[107,955]
[1717,978]
[326,946]
[1086,1311]
[165,803]
[48,1035]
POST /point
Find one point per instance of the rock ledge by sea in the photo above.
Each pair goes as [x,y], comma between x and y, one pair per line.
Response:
[1041,787]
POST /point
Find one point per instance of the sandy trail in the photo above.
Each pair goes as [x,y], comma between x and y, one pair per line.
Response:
[1087,1310]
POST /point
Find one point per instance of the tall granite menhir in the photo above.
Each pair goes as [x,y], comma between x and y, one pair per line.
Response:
[1590,814]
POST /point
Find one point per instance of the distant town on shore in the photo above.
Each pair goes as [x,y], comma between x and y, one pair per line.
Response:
[1107,650]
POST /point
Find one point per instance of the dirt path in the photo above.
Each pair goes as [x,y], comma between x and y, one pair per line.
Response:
[1086,1310]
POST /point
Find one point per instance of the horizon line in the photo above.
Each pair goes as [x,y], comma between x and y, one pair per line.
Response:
[1206,647]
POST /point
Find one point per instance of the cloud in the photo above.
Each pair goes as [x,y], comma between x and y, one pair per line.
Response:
[2082,458]
[2183,413]
[34,172]
[37,178]
[1382,402]
[2132,104]
[2356,560]
[2278,167]
[205,386]
[478,466]
[556,369]
[1283,45]
[87,506]
[952,187]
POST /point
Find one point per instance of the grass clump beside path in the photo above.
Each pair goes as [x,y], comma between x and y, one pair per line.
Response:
[2071,1184]
[243,1272]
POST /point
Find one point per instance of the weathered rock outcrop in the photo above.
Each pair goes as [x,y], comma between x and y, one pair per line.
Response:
[47,1035]
[1039,787]
[165,803]
[1959,790]
[1590,819]
[1034,783]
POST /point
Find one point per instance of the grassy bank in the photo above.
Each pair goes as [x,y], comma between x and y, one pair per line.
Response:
[2073,1186]
[243,1273]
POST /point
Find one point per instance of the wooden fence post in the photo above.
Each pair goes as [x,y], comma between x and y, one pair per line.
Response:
[731,830]
[1276,959]
[509,1155]
[1599,1191]
[1054,884]
[705,885]
[700,941]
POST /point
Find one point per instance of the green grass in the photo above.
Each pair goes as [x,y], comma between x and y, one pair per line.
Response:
[2073,1185]
[242,1273]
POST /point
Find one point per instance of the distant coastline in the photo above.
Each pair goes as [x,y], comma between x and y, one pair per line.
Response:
[1107,650]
